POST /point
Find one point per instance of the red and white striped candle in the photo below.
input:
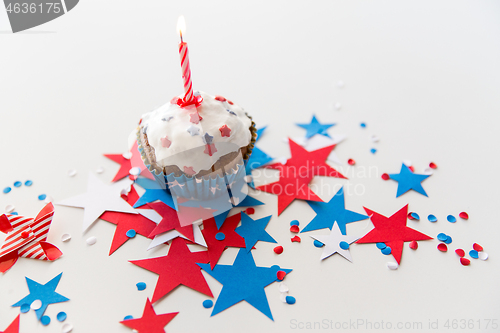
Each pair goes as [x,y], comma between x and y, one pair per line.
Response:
[186,70]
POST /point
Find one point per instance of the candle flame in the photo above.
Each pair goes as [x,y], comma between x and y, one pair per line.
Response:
[181,25]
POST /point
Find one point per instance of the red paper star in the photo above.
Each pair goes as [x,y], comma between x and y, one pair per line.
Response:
[125,221]
[125,165]
[392,231]
[170,221]
[13,327]
[176,268]
[225,131]
[136,162]
[150,322]
[231,238]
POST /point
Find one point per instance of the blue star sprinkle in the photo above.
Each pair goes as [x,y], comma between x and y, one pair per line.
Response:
[315,128]
[207,138]
[254,230]
[153,192]
[408,180]
[329,212]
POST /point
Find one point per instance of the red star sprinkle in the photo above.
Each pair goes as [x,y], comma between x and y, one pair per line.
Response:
[225,131]
[125,165]
[178,267]
[170,221]
[13,327]
[220,98]
[165,142]
[195,118]
[392,231]
[189,171]
[150,322]
[230,102]
[210,149]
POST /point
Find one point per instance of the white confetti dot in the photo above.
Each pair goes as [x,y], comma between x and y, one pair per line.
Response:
[36,304]
[283,297]
[428,171]
[65,237]
[340,84]
[283,287]
[9,209]
[407,163]
[375,138]
[66,328]
[100,170]
[392,265]
[135,171]
[127,155]
[91,240]
[338,106]
[482,255]
[72,172]
[125,191]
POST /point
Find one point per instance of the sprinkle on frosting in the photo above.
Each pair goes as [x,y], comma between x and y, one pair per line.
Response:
[167,118]
[207,138]
[231,112]
[165,142]
[220,98]
[225,131]
[210,149]
[193,130]
[195,118]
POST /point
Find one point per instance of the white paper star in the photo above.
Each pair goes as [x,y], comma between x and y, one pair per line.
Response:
[169,235]
[100,197]
[332,243]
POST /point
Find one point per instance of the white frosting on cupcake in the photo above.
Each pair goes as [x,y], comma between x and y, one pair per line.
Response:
[180,138]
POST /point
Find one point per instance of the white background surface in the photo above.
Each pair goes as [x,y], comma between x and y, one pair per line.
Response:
[423,75]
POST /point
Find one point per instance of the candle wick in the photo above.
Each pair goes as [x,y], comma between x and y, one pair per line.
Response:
[180,32]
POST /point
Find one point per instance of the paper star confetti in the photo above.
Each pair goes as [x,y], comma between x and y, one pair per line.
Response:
[176,268]
[125,165]
[336,242]
[392,231]
[320,141]
[150,322]
[153,192]
[407,180]
[258,158]
[169,235]
[333,211]
[13,327]
[315,127]
[46,293]
[170,221]
[243,281]
[254,230]
[99,198]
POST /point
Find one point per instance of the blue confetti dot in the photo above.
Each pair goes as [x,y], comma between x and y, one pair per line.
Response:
[363,125]
[294,222]
[141,286]
[451,218]
[128,317]
[373,150]
[381,246]
[42,196]
[344,245]
[220,236]
[207,304]
[61,316]
[28,183]
[7,190]
[415,216]
[474,254]
[317,243]
[387,251]
[25,308]
[14,213]
[448,240]
[18,184]
[432,218]
[131,233]
[45,320]
[442,237]
[290,300]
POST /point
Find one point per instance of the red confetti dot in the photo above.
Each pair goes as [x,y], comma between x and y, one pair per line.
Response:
[296,239]
[294,228]
[278,249]
[250,211]
[280,275]
[25,234]
[442,247]
[230,102]
[464,215]
[477,247]
[220,98]
[465,261]
[385,176]
[410,217]
[460,252]
[411,168]
[351,161]
[433,165]
[413,245]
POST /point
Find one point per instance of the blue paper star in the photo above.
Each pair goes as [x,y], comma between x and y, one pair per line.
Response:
[315,128]
[243,281]
[408,180]
[329,212]
[153,192]
[45,293]
[254,230]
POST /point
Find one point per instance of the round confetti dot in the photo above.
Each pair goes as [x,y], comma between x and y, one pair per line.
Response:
[140,286]
[250,211]
[351,161]
[28,183]
[464,215]
[220,236]
[385,176]
[128,317]
[131,233]
[448,240]
[477,247]
[36,304]
[18,184]
[415,216]
[410,217]
[433,165]
[25,234]
[278,249]
[442,237]
[127,155]
[25,307]
[295,239]
[340,84]
[294,229]
[283,288]
[45,320]
[474,254]
[337,106]
[432,218]
[280,275]
[451,218]
[7,190]
[442,247]
[373,150]
[428,171]
[66,328]
[72,172]
[317,243]
[413,245]
[91,240]
[460,252]
[9,209]
[61,316]
[290,300]
[381,246]
[208,303]
[344,245]
[99,170]
[294,222]
[363,125]
[483,255]
[42,196]
[387,251]
[465,261]
[375,138]
[135,171]
[392,266]
[65,237]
